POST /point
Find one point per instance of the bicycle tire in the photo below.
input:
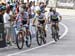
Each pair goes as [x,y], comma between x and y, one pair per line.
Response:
[54,34]
[57,35]
[22,40]
[38,38]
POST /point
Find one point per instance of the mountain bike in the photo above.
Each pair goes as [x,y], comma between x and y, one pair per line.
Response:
[23,35]
[40,34]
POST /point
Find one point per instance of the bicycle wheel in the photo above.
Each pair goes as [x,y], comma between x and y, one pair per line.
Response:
[43,37]
[39,38]
[20,40]
[57,35]
[28,40]
[54,33]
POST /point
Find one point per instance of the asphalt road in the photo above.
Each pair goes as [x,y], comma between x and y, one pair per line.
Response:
[64,47]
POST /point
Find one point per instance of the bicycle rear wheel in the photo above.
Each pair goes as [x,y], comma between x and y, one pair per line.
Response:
[20,40]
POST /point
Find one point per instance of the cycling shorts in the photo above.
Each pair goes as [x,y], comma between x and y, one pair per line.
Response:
[24,22]
[41,21]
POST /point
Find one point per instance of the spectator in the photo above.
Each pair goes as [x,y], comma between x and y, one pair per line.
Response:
[2,39]
[1,16]
[6,17]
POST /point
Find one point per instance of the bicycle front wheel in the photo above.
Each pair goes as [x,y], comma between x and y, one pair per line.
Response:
[20,40]
[39,38]
[54,33]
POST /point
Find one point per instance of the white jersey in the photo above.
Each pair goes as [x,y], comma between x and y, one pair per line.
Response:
[26,15]
[6,20]
[40,17]
[52,14]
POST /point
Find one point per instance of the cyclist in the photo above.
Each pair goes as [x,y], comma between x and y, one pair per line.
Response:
[41,19]
[23,18]
[26,19]
[54,16]
[19,17]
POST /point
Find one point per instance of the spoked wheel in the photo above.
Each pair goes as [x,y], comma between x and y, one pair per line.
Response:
[28,40]
[57,35]
[20,40]
[39,38]
[54,34]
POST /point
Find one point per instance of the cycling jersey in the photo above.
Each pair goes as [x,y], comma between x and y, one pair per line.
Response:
[26,15]
[54,17]
[19,17]
[40,18]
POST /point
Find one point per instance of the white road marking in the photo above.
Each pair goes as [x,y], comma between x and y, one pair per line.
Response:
[66,30]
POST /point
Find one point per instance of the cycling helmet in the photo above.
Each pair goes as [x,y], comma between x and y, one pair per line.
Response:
[38,11]
[21,10]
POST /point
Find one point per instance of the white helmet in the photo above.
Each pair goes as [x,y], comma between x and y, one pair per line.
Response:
[21,10]
[37,9]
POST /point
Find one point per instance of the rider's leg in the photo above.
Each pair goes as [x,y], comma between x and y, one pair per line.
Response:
[45,31]
[57,24]
[51,28]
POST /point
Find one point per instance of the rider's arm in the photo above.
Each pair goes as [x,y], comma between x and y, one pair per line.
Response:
[60,16]
[34,21]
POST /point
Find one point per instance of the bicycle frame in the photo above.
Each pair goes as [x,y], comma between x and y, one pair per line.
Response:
[41,29]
